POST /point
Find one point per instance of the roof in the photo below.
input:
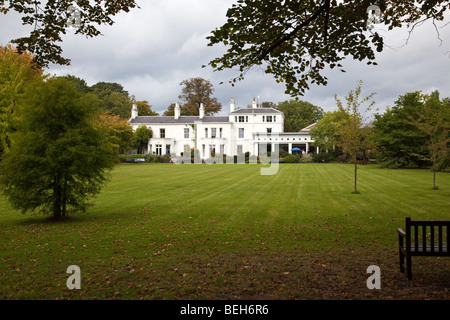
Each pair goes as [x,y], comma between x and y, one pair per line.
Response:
[308,128]
[181,119]
[256,110]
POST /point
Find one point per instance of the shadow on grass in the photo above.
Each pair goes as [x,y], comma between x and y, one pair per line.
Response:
[50,220]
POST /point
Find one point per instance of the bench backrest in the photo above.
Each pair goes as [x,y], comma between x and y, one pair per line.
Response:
[432,234]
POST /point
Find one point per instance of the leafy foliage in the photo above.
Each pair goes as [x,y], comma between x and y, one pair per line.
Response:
[50,21]
[354,134]
[296,40]
[326,132]
[141,136]
[17,74]
[434,121]
[58,158]
[399,142]
[196,91]
[299,114]
[145,109]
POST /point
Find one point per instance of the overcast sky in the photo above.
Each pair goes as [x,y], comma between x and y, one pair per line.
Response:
[152,49]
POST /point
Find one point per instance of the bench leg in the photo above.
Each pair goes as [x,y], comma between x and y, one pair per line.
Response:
[402,260]
[408,267]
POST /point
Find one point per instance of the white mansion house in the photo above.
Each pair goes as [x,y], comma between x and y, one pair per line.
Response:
[253,130]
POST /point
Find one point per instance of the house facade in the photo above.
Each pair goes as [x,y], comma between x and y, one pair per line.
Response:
[255,130]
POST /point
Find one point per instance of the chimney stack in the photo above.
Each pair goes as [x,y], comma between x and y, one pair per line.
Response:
[232,104]
[201,111]
[254,103]
[134,111]
[177,111]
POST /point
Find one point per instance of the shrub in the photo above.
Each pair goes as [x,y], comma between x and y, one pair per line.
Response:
[306,158]
[291,158]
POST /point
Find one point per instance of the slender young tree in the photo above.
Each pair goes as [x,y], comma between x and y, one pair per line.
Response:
[354,131]
[434,121]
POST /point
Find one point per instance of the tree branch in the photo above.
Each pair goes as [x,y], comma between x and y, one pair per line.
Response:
[264,52]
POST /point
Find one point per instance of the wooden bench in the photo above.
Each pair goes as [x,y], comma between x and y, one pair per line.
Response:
[422,238]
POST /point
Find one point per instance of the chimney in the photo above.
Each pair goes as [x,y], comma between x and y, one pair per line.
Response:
[177,111]
[134,111]
[201,111]
[254,103]
[232,104]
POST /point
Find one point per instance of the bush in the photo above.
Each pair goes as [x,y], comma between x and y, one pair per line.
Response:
[291,158]
[324,157]
[306,158]
[283,154]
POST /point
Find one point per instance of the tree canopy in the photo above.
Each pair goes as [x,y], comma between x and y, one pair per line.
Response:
[296,40]
[51,20]
[194,92]
[59,158]
[17,73]
[299,114]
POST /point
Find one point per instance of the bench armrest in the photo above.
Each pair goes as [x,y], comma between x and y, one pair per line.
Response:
[401,232]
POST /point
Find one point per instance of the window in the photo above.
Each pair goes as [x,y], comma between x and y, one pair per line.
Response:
[162,133]
[246,118]
[220,132]
[239,148]
[158,149]
[212,150]
[203,149]
[274,119]
[206,132]
[268,118]
[168,149]
[269,130]
[241,132]
[241,119]
[213,132]
[186,133]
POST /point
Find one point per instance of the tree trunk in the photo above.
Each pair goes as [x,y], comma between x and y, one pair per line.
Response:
[356,168]
[434,180]
[56,197]
[64,197]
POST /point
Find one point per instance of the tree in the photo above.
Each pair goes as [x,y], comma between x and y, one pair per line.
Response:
[52,19]
[326,133]
[299,114]
[296,40]
[434,122]
[59,159]
[196,91]
[140,138]
[145,109]
[81,84]
[114,99]
[118,131]
[18,73]
[398,142]
[354,132]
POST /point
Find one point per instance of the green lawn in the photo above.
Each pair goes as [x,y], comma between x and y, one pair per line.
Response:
[165,231]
